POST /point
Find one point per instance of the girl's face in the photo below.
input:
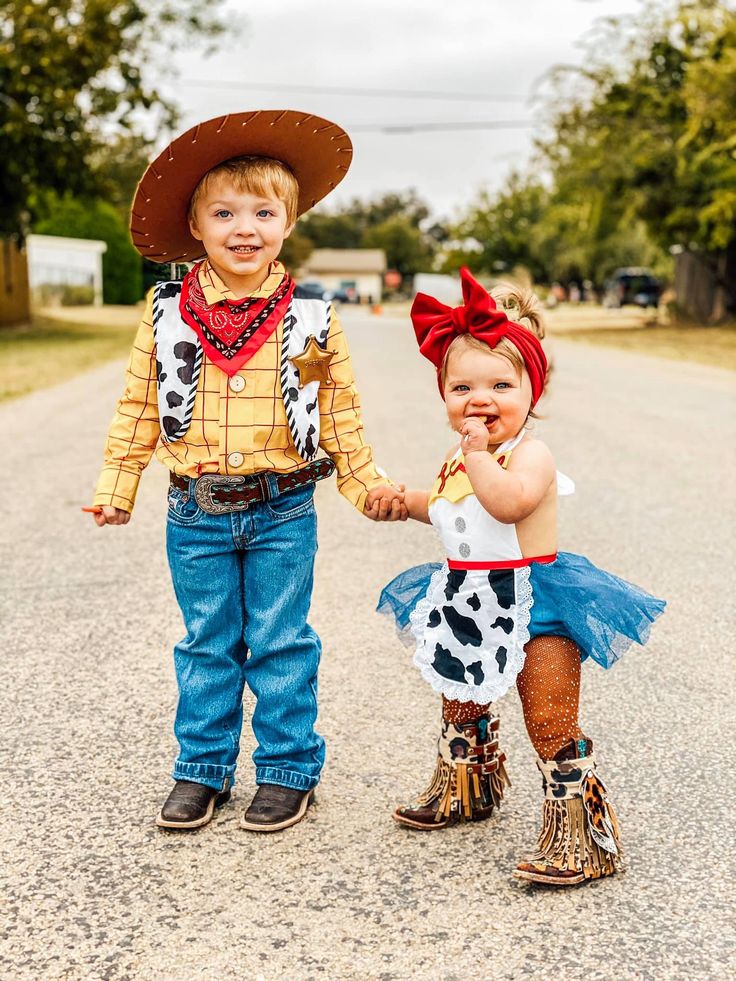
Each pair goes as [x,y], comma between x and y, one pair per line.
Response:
[488,386]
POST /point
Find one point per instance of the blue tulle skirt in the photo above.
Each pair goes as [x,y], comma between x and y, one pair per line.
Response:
[602,614]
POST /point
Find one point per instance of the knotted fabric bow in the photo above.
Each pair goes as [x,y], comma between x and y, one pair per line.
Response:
[437,325]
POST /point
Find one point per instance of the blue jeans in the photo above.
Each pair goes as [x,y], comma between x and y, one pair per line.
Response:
[244,585]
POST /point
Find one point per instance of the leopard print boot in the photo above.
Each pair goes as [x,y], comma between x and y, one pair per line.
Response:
[579,839]
[468,780]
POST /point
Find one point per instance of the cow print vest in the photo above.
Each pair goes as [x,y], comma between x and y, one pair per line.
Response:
[179,361]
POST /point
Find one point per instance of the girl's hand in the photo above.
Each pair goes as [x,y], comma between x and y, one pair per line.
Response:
[386,503]
[474,437]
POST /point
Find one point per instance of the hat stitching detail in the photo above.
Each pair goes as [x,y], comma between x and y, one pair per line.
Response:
[223,124]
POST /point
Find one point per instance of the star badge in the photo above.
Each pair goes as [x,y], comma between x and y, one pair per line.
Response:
[313,364]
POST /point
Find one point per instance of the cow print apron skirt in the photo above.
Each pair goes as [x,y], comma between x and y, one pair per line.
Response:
[470,630]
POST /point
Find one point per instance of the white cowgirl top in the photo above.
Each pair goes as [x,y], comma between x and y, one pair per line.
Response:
[467,531]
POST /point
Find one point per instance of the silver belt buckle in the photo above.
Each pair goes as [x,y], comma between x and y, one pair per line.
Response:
[203,493]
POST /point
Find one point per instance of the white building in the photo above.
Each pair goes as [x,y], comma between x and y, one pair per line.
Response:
[358,271]
[57,261]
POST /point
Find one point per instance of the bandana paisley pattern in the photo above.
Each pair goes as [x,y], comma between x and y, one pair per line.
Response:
[232,331]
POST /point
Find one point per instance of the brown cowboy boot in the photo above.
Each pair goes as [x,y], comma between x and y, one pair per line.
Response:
[579,840]
[468,780]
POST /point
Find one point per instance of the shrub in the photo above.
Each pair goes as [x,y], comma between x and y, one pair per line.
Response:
[77,296]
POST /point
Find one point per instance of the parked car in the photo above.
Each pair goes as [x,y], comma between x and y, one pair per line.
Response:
[632,285]
[315,290]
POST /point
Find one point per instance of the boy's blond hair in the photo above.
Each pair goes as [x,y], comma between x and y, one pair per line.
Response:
[520,305]
[255,175]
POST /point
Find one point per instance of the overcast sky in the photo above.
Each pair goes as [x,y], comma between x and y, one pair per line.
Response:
[495,48]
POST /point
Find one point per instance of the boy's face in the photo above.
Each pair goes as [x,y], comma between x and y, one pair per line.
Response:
[241,233]
[489,387]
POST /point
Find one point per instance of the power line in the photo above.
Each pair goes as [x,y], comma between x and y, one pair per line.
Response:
[341,90]
[397,129]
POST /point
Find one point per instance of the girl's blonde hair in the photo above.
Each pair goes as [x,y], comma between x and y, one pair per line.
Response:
[520,305]
[254,175]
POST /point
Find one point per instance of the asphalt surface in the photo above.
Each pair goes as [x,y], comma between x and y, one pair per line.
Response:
[91,889]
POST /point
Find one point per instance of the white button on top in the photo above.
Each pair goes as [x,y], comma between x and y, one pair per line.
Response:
[235,459]
[236,383]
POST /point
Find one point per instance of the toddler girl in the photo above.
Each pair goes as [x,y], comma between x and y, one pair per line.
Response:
[507,607]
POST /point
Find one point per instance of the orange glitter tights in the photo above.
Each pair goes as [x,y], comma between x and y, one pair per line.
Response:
[549,688]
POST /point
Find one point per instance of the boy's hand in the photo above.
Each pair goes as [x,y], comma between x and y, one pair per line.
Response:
[386,503]
[108,515]
[474,436]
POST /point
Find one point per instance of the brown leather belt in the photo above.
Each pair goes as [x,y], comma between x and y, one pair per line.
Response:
[219,494]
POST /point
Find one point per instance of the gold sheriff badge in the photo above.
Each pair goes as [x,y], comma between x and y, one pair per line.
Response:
[313,364]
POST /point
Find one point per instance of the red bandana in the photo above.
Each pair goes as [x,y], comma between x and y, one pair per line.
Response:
[231,331]
[437,325]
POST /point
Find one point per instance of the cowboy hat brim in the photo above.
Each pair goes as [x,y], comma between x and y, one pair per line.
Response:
[317,151]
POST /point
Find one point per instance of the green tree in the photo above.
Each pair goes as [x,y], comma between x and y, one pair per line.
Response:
[406,204]
[331,230]
[393,222]
[78,218]
[500,231]
[71,73]
[648,142]
[407,249]
[118,165]
[295,251]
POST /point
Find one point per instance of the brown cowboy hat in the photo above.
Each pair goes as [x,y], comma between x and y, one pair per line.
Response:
[317,151]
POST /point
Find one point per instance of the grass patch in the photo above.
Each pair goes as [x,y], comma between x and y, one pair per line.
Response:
[51,351]
[704,345]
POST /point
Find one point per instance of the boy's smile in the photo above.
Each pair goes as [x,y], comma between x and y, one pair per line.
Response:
[489,388]
[242,233]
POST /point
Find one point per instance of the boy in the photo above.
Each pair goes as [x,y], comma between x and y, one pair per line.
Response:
[236,382]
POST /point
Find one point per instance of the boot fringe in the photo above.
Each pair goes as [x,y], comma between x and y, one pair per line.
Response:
[461,790]
[569,841]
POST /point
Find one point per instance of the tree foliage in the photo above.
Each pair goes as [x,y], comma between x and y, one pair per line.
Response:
[72,73]
[393,222]
[640,161]
[652,140]
[501,231]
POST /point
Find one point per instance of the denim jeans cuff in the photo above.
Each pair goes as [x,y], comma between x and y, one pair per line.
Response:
[285,778]
[210,774]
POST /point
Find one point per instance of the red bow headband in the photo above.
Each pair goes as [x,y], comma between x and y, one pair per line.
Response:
[437,325]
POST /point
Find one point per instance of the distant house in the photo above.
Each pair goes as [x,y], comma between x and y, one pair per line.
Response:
[55,262]
[355,271]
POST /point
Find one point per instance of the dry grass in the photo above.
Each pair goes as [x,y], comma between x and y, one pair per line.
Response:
[704,345]
[50,351]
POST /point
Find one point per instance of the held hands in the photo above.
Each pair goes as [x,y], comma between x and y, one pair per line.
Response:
[386,503]
[474,436]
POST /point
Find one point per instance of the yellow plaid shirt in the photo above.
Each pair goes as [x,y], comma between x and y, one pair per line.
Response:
[236,428]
